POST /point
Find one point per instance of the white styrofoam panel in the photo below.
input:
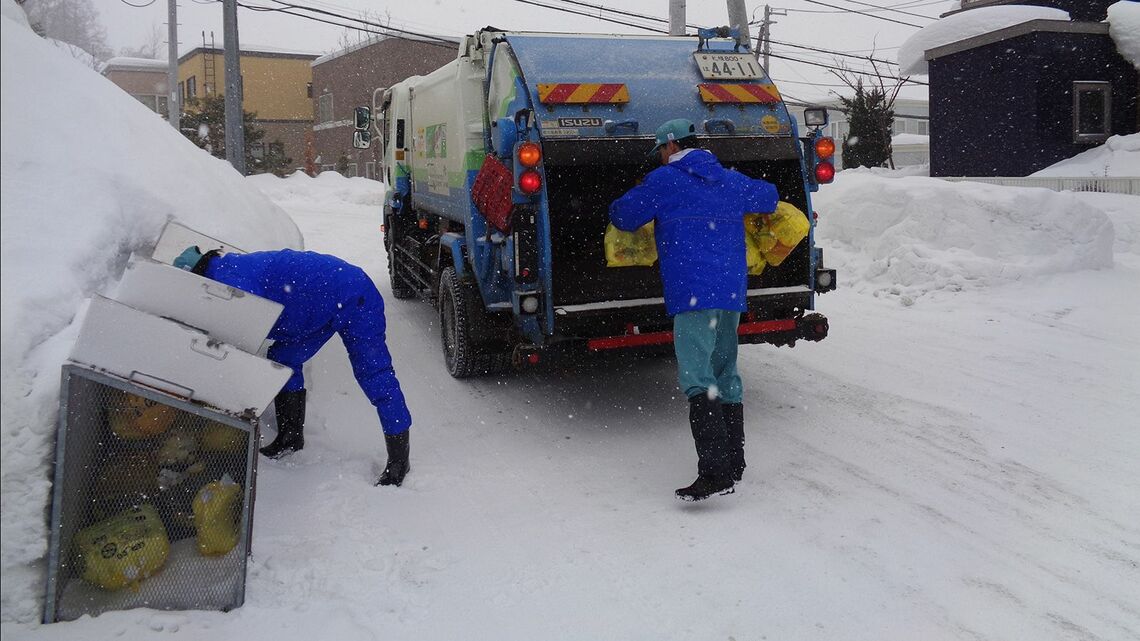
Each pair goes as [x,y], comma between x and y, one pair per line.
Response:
[225,313]
[176,237]
[175,358]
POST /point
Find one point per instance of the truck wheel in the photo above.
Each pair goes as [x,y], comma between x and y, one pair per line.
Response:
[462,318]
[402,289]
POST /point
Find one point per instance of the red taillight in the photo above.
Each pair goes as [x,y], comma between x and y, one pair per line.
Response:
[530,182]
[824,172]
[824,148]
[529,154]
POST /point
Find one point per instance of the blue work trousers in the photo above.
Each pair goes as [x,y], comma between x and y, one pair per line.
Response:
[360,323]
[706,343]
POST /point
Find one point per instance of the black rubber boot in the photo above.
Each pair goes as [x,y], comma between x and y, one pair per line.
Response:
[290,408]
[397,466]
[734,428]
[713,473]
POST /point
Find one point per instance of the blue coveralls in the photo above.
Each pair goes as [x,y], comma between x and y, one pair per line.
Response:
[699,208]
[322,295]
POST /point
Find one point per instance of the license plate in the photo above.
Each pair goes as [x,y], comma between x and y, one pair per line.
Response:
[728,66]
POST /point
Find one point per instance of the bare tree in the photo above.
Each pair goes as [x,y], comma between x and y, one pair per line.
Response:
[352,37]
[153,47]
[870,113]
[75,22]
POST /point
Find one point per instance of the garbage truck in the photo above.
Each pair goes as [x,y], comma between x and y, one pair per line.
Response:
[501,166]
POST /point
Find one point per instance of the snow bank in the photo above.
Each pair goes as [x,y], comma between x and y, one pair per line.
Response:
[1119,156]
[82,188]
[326,186]
[1124,27]
[966,24]
[913,236]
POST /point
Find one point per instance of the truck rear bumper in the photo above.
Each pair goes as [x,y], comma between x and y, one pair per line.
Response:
[812,327]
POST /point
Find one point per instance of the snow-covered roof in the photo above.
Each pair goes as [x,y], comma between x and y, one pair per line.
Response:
[254,50]
[123,63]
[1124,27]
[964,25]
[377,39]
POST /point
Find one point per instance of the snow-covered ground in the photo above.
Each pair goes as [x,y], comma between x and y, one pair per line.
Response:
[956,461]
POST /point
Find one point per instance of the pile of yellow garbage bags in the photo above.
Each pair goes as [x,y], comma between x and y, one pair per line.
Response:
[769,239]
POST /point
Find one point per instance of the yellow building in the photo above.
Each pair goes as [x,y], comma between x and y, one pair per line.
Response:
[276,85]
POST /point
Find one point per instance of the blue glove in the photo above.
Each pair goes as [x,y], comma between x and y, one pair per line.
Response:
[188,259]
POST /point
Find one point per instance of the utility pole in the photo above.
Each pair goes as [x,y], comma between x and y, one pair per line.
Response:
[676,17]
[235,128]
[738,18]
[174,99]
[766,31]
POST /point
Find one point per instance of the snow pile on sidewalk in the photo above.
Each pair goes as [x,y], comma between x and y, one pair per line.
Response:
[913,236]
[325,186]
[88,176]
[1118,156]
[964,25]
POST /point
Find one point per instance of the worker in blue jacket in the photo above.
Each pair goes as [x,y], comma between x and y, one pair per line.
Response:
[322,295]
[698,207]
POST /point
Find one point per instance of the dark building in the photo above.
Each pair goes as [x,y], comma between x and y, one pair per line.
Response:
[1016,100]
[1094,10]
[355,77]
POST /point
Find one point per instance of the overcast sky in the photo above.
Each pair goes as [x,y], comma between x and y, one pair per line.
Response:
[807,23]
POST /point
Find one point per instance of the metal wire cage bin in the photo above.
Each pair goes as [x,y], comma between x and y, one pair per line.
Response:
[152,504]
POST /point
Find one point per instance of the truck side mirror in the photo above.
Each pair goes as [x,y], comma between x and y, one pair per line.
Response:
[361,139]
[363,118]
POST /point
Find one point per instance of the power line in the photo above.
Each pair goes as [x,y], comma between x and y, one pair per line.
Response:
[864,13]
[383,28]
[590,15]
[830,52]
[859,73]
[137,6]
[891,9]
[913,4]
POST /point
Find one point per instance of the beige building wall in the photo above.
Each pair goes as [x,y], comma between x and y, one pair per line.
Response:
[276,87]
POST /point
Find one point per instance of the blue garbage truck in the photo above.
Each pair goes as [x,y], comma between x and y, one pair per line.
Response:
[502,164]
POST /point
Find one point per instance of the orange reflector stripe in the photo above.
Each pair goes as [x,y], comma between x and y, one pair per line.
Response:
[578,93]
[766,94]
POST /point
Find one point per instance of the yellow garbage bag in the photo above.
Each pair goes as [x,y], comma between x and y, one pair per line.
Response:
[135,418]
[755,242]
[631,248]
[784,229]
[123,550]
[217,508]
[218,437]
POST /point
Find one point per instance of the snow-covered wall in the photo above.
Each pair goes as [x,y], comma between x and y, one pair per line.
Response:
[1119,156]
[964,25]
[87,176]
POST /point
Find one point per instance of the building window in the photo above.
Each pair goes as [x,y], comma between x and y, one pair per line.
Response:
[1092,111]
[370,170]
[191,87]
[257,151]
[308,90]
[277,149]
[325,108]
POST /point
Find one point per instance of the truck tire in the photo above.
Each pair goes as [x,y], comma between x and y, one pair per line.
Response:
[402,288]
[462,318]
